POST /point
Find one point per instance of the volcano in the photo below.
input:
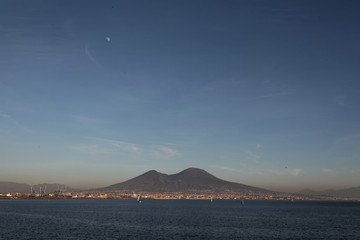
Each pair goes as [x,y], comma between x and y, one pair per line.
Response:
[188,180]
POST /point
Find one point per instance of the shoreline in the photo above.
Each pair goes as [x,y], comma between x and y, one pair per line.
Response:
[204,199]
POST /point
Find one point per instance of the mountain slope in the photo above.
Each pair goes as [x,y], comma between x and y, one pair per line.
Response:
[150,180]
[12,187]
[347,193]
[191,179]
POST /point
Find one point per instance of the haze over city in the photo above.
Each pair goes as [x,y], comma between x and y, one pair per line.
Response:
[263,93]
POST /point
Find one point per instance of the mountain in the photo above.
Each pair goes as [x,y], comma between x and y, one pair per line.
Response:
[344,193]
[191,179]
[12,187]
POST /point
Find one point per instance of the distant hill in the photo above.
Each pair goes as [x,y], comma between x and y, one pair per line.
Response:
[345,193]
[12,187]
[191,179]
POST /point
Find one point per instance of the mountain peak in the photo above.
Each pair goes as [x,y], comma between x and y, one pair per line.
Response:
[190,179]
[195,172]
[152,173]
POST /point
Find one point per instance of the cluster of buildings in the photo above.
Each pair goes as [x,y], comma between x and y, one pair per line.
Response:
[167,195]
[214,195]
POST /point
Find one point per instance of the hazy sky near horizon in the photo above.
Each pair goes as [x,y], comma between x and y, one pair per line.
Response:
[264,93]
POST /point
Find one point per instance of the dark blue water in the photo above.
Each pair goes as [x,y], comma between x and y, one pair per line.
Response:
[178,219]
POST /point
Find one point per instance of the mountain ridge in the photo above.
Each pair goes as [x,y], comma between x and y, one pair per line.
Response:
[190,179]
[353,192]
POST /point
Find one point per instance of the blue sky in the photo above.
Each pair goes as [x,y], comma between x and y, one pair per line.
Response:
[264,93]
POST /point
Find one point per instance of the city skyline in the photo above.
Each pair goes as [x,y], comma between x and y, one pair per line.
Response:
[254,92]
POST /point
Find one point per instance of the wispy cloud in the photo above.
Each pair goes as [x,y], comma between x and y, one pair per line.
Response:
[253,156]
[92,149]
[287,172]
[241,171]
[14,124]
[164,152]
[89,55]
[119,145]
[296,171]
[105,146]
[108,146]
[354,171]
[230,169]
[327,170]
[3,115]
[87,120]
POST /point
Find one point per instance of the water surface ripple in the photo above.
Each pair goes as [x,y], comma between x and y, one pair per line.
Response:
[178,219]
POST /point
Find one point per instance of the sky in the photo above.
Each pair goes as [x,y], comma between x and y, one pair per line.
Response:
[263,93]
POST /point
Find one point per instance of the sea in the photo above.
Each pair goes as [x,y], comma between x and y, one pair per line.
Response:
[178,219]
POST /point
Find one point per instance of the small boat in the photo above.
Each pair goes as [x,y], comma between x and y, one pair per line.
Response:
[139,198]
